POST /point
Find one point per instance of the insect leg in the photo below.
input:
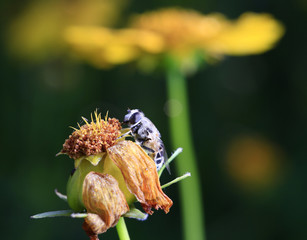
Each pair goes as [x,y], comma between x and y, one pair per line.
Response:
[125,134]
[132,126]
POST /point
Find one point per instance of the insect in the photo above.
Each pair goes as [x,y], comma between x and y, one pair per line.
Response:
[147,136]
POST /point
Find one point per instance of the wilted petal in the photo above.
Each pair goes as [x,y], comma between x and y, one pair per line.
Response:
[92,225]
[102,196]
[140,175]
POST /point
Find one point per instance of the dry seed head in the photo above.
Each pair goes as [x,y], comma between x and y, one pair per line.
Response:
[93,137]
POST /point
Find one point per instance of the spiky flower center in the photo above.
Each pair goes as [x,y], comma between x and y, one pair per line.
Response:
[93,137]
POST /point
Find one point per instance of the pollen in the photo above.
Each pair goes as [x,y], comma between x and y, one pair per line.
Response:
[93,137]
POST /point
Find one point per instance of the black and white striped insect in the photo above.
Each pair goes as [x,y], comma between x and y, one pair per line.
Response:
[147,136]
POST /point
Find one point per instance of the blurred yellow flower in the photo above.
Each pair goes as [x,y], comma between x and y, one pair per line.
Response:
[251,34]
[177,32]
[182,30]
[104,47]
[185,31]
[37,33]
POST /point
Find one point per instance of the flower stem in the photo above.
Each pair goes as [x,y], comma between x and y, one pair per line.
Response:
[122,230]
[190,190]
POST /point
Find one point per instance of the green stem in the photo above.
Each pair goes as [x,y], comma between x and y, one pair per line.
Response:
[190,190]
[171,158]
[122,230]
[176,180]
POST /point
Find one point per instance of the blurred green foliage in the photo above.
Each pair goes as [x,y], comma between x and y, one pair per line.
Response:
[253,96]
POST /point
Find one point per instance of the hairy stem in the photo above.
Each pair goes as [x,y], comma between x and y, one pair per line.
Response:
[190,190]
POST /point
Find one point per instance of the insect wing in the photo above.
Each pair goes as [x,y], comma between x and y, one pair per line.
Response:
[165,160]
[161,158]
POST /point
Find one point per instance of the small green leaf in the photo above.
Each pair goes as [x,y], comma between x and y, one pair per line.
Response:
[60,213]
[176,180]
[60,195]
[78,215]
[137,214]
[169,160]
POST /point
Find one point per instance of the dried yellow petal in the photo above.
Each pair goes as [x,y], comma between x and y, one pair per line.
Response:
[140,175]
[102,196]
[92,225]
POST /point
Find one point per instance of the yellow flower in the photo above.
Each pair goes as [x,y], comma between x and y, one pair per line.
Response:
[36,33]
[251,34]
[183,34]
[183,31]
[111,173]
[104,47]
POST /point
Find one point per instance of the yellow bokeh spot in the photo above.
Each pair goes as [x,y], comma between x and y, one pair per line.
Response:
[250,34]
[254,163]
[36,33]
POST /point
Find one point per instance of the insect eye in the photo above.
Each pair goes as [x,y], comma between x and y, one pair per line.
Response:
[126,118]
[135,117]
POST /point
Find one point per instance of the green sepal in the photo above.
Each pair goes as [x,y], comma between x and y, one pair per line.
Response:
[59,213]
[136,214]
[60,195]
[74,191]
[75,183]
[94,159]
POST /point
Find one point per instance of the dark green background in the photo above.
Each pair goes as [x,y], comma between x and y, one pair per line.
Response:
[263,94]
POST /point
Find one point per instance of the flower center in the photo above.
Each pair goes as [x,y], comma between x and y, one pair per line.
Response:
[93,137]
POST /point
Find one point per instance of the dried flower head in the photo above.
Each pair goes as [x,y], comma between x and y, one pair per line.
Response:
[92,138]
[111,173]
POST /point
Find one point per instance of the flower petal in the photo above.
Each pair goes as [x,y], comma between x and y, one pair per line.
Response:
[102,196]
[92,225]
[251,34]
[140,175]
[105,47]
